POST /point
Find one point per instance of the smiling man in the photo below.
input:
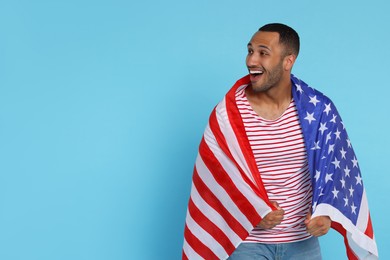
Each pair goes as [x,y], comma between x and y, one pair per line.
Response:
[275,168]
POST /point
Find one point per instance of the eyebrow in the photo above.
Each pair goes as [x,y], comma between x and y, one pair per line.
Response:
[260,46]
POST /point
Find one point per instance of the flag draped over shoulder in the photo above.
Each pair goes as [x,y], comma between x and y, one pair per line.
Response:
[228,198]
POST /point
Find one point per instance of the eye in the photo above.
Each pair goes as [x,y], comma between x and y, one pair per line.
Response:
[263,53]
[250,51]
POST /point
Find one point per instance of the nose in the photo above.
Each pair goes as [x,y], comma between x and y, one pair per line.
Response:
[252,60]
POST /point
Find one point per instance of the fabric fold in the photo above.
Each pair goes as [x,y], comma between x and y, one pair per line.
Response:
[228,198]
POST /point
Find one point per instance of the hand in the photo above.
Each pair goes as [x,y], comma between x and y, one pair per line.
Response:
[273,218]
[317,226]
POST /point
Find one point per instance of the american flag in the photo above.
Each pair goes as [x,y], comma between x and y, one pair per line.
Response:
[336,177]
[228,197]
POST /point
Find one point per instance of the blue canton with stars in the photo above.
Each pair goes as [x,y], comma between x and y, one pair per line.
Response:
[333,166]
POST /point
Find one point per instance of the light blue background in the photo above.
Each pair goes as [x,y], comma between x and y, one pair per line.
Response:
[103,104]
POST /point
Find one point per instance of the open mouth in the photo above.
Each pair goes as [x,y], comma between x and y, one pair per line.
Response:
[255,74]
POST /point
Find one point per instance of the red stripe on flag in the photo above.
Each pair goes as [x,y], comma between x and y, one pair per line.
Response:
[238,129]
[210,227]
[223,179]
[369,231]
[184,256]
[220,138]
[214,202]
[197,245]
[339,228]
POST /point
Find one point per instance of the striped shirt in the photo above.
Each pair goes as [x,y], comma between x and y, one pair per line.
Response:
[281,158]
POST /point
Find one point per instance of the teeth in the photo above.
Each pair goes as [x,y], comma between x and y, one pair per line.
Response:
[256,72]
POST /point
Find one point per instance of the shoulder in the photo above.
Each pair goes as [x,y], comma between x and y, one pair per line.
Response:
[302,91]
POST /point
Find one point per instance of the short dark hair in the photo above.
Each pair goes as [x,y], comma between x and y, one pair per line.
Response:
[287,36]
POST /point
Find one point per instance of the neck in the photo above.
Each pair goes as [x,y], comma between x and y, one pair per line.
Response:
[272,103]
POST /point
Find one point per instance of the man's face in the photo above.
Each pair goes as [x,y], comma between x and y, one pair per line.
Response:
[265,60]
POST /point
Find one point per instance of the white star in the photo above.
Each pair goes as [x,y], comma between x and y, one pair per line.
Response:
[337,133]
[342,124]
[317,175]
[314,100]
[346,201]
[333,119]
[327,108]
[355,162]
[346,171]
[335,192]
[331,148]
[353,208]
[310,117]
[349,143]
[342,183]
[316,146]
[351,190]
[328,137]
[343,153]
[321,193]
[322,127]
[358,180]
[328,177]
[299,88]
[336,163]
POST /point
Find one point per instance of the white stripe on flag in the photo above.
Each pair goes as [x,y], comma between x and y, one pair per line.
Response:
[359,251]
[213,216]
[358,236]
[362,219]
[231,138]
[221,194]
[189,252]
[205,237]
[230,168]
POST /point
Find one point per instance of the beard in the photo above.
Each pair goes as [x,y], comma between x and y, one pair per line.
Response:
[273,77]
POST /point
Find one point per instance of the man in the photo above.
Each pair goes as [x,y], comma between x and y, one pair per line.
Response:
[275,168]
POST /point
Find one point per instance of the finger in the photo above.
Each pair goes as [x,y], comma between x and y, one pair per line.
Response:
[319,232]
[318,226]
[277,217]
[311,230]
[276,204]
[314,231]
[279,212]
[308,217]
[319,222]
[309,225]
[312,226]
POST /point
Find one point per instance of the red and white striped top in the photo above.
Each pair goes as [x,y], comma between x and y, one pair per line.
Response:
[281,158]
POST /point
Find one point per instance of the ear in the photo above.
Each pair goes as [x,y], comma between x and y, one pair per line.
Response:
[289,61]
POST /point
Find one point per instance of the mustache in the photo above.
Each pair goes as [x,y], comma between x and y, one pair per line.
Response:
[255,68]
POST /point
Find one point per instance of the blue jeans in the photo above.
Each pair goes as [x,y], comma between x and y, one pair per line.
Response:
[307,249]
